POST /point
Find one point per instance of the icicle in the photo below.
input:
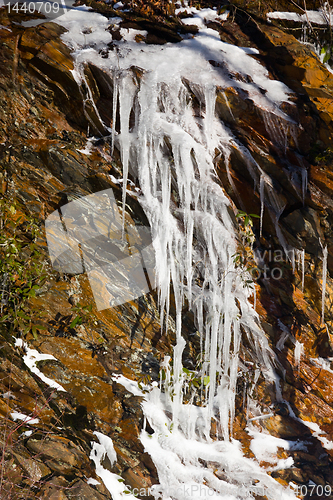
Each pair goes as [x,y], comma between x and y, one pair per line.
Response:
[126,97]
[281,341]
[292,251]
[227,103]
[323,292]
[210,99]
[304,183]
[285,335]
[298,352]
[262,201]
[114,110]
[273,202]
[303,268]
[172,152]
[230,179]
[276,131]
[87,96]
[300,264]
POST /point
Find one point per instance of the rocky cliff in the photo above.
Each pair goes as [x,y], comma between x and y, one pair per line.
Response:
[45,119]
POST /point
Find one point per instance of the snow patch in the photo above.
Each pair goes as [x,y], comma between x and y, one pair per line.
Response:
[31,357]
[87,149]
[26,419]
[201,17]
[180,452]
[317,433]
[113,482]
[265,447]
[27,433]
[107,443]
[314,16]
[92,481]
[298,353]
[8,395]
[323,363]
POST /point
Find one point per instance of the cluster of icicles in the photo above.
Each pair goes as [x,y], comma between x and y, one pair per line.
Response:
[194,235]
[172,146]
[195,242]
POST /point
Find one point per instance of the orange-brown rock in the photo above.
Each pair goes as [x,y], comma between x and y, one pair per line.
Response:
[42,127]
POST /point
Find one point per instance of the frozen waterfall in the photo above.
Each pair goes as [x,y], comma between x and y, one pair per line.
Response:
[171,144]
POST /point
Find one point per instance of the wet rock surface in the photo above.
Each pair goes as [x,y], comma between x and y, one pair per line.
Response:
[43,123]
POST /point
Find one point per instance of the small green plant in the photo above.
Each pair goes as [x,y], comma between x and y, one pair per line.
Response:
[65,325]
[247,232]
[192,380]
[321,37]
[325,156]
[22,270]
[195,380]
[326,52]
[243,259]
[83,315]
[144,380]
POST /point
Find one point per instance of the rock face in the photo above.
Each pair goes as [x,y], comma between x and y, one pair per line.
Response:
[44,116]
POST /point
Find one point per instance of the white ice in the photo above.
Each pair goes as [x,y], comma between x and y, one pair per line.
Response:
[317,432]
[312,16]
[199,17]
[265,447]
[8,395]
[171,146]
[323,363]
[26,419]
[31,357]
[183,456]
[107,443]
[113,482]
[87,149]
[298,352]
[92,481]
[27,433]
[324,279]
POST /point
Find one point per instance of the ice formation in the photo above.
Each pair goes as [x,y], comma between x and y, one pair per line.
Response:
[32,357]
[323,292]
[298,352]
[25,418]
[171,146]
[113,482]
[321,16]
[300,254]
[183,455]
